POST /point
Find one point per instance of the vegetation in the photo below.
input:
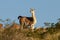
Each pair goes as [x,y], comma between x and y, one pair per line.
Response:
[13,32]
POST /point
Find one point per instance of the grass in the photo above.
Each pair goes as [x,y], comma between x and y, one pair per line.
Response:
[11,33]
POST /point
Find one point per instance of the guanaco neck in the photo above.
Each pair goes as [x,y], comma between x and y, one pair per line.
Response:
[34,17]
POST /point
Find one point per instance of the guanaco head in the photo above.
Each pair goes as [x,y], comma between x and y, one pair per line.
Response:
[32,10]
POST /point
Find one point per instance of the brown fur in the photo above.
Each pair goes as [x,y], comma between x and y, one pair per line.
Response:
[25,20]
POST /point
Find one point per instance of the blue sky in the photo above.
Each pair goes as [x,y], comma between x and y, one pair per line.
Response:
[46,10]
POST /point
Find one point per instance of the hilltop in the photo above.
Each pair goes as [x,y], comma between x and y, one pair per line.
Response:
[13,32]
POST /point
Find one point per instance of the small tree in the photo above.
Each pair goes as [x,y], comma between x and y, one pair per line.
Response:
[58,24]
[59,20]
[47,24]
[52,25]
[1,20]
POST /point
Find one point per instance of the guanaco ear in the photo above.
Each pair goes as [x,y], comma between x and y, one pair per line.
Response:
[32,9]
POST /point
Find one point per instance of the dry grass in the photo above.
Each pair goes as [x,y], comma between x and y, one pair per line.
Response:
[14,33]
